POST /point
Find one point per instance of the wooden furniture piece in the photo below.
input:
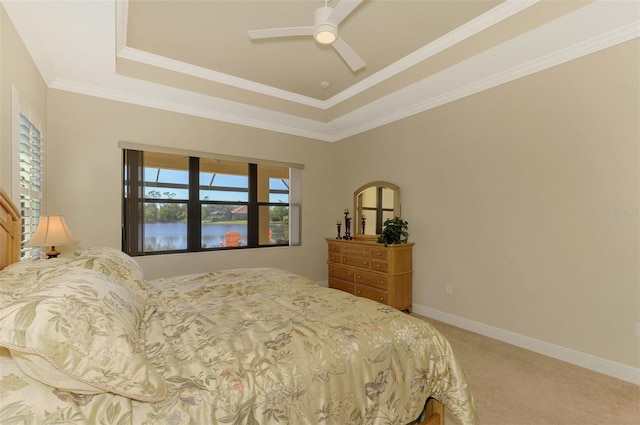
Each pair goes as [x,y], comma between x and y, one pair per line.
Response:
[10,233]
[366,268]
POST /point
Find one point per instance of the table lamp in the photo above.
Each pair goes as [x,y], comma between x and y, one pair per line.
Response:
[52,230]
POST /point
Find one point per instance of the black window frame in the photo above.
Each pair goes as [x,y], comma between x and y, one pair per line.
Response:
[133,200]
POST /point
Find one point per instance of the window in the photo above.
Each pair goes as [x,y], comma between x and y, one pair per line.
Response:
[28,154]
[185,203]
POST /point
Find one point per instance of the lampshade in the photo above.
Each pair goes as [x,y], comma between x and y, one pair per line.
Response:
[52,230]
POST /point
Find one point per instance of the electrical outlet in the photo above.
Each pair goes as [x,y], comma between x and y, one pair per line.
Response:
[449,289]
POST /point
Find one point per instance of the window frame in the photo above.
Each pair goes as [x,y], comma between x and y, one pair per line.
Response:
[133,201]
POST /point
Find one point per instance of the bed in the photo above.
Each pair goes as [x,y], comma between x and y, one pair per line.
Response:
[87,340]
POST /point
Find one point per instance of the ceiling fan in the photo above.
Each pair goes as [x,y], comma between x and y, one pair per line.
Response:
[324,31]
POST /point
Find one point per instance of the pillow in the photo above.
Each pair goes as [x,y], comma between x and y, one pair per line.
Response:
[18,277]
[27,268]
[112,262]
[78,331]
[41,370]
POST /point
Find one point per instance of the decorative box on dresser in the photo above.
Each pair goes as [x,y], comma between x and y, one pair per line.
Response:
[368,269]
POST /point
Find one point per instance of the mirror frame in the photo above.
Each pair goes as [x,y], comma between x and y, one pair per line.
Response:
[357,212]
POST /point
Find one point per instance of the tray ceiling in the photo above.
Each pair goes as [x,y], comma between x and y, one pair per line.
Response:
[195,57]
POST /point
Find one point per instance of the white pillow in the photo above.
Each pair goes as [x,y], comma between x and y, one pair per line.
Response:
[79,328]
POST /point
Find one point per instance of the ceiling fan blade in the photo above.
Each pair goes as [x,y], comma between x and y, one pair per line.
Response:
[280,32]
[342,10]
[349,55]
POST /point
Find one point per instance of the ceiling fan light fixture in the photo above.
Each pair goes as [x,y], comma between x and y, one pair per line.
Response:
[323,31]
[325,34]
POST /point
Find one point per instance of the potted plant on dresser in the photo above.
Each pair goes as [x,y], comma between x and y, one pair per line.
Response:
[395,231]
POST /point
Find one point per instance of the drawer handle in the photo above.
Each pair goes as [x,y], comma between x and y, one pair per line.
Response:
[330,269]
[381,299]
[378,265]
[359,277]
[349,274]
[359,292]
[382,282]
[364,262]
[378,254]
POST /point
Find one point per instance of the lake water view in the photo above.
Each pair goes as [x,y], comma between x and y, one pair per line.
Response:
[170,236]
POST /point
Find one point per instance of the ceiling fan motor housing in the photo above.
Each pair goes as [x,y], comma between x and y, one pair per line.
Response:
[324,32]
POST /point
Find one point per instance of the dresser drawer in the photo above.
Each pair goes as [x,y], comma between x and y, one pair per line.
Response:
[356,262]
[356,251]
[341,273]
[379,266]
[335,257]
[372,294]
[335,247]
[379,254]
[372,279]
[343,286]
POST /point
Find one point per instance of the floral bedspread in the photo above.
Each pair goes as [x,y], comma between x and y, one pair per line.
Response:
[263,346]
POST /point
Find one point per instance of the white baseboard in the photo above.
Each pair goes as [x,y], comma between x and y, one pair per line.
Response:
[607,367]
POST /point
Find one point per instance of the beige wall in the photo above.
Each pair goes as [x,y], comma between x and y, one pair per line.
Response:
[525,198]
[85,177]
[16,69]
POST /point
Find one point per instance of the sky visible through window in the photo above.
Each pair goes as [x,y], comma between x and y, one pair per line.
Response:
[153,175]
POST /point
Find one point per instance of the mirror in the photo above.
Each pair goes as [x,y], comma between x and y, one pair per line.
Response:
[375,202]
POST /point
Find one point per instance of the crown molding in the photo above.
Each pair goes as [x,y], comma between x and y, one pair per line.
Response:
[204,107]
[457,35]
[215,76]
[598,25]
[366,118]
[32,42]
[576,51]
[491,17]
[122,22]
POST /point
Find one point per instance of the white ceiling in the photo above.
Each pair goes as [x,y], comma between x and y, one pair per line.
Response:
[194,57]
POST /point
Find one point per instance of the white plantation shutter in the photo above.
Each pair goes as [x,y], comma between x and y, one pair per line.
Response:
[30,165]
[28,170]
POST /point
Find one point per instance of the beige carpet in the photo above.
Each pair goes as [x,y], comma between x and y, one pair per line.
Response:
[513,386]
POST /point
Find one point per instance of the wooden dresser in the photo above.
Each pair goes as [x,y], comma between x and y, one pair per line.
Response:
[368,269]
